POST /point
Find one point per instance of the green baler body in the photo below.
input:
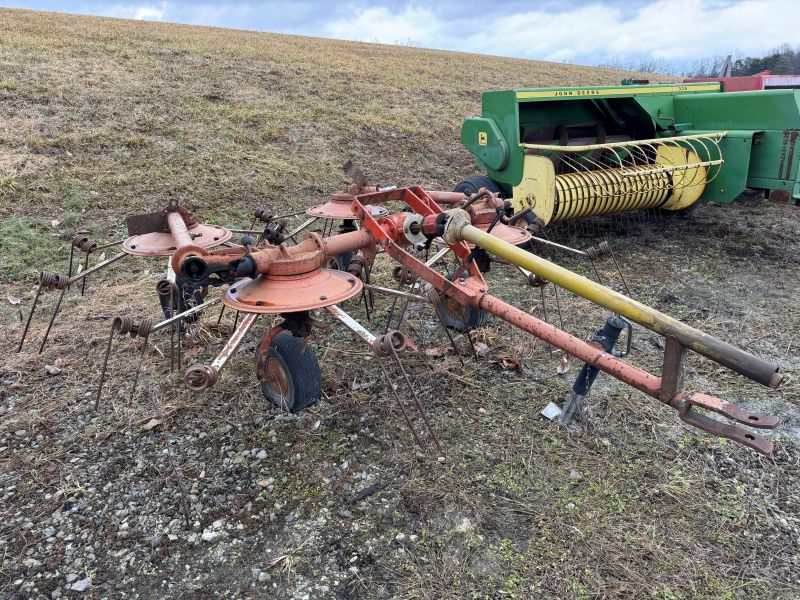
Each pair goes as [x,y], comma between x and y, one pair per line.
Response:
[761,150]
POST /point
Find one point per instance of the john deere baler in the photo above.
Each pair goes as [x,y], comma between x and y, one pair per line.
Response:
[576,152]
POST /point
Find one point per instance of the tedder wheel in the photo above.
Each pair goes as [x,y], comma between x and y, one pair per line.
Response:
[459,317]
[340,262]
[473,183]
[291,378]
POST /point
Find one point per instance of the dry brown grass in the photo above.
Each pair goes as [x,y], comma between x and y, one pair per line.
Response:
[103,117]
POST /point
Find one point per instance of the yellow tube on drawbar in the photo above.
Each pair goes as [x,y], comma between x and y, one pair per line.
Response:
[459,228]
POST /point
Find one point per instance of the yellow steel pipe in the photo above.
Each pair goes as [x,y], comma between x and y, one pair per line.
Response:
[459,228]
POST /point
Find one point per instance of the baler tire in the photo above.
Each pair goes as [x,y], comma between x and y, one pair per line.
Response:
[295,364]
[473,183]
[689,210]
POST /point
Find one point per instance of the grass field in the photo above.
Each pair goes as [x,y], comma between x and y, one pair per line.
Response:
[100,118]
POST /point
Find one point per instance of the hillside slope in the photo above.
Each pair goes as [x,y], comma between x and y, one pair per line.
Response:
[103,113]
[168,493]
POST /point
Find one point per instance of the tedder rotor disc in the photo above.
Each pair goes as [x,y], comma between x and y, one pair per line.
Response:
[340,207]
[292,293]
[162,243]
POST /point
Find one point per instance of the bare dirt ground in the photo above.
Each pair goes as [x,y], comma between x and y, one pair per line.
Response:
[104,117]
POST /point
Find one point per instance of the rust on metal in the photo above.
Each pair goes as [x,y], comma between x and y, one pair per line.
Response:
[392,342]
[164,244]
[163,233]
[673,370]
[275,294]
[200,377]
[340,207]
[49,281]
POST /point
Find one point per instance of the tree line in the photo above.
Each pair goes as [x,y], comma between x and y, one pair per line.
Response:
[782,60]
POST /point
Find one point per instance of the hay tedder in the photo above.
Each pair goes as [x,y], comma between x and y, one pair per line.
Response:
[280,274]
[572,153]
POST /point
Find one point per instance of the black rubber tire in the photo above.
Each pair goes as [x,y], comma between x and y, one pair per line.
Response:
[686,212]
[473,317]
[462,320]
[340,262]
[473,183]
[301,369]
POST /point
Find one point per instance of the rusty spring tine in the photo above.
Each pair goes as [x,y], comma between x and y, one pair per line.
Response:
[390,316]
[558,307]
[105,364]
[433,295]
[420,408]
[175,327]
[403,311]
[125,325]
[236,320]
[85,267]
[596,272]
[221,312]
[366,303]
[53,319]
[616,264]
[47,281]
[366,293]
[120,325]
[30,317]
[71,257]
[146,335]
[370,296]
[363,298]
[469,337]
[406,416]
[544,304]
[180,349]
[367,336]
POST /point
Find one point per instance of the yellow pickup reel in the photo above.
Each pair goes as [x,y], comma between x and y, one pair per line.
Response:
[561,183]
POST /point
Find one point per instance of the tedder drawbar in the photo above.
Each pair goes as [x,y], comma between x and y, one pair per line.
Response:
[571,153]
[272,276]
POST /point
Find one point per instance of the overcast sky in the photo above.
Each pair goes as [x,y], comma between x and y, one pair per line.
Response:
[581,31]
